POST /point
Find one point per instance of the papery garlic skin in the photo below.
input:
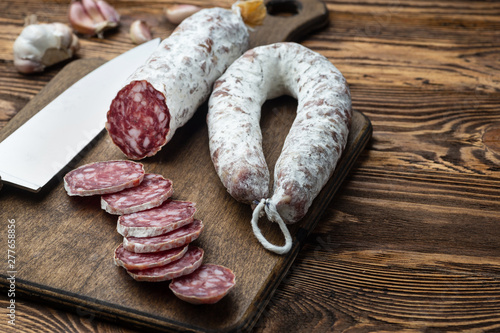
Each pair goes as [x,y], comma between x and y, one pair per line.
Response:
[42,45]
[175,14]
[92,17]
[139,32]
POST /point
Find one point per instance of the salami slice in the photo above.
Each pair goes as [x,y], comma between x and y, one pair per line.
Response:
[103,178]
[186,265]
[206,285]
[157,221]
[138,261]
[173,239]
[152,192]
[164,93]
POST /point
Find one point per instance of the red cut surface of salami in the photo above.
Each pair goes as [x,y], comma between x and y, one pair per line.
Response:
[173,239]
[138,261]
[103,178]
[152,192]
[206,285]
[139,103]
[186,265]
[157,221]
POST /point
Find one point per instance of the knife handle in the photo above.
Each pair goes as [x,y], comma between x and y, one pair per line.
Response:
[289,20]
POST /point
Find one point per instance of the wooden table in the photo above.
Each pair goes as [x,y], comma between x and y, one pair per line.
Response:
[412,240]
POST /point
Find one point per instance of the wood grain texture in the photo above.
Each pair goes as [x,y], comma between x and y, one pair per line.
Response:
[410,243]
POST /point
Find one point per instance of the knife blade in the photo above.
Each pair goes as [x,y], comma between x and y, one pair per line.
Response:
[32,155]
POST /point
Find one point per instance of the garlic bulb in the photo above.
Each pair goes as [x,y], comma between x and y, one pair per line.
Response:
[139,32]
[92,17]
[175,14]
[42,45]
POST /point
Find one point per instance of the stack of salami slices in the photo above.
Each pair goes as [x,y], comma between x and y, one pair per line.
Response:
[157,230]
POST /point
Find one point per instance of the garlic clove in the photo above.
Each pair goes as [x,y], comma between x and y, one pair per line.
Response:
[139,32]
[110,14]
[175,14]
[80,20]
[92,10]
[253,12]
[91,17]
[42,45]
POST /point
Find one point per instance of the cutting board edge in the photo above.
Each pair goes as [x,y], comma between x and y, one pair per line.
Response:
[94,308]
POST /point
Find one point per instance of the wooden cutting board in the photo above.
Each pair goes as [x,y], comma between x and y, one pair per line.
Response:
[64,245]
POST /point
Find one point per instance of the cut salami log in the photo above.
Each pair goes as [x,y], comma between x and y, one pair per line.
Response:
[157,221]
[173,239]
[152,192]
[163,94]
[186,265]
[206,285]
[103,178]
[138,261]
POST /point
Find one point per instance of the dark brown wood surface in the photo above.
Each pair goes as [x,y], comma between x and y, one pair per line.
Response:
[411,241]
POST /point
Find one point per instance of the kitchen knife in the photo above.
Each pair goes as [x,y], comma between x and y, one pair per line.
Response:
[32,155]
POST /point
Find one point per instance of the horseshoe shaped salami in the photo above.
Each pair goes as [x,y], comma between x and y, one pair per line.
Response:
[312,148]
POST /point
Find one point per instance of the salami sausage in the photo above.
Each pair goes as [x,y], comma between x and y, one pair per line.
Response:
[186,265]
[173,239]
[103,178]
[137,261]
[163,94]
[169,216]
[152,192]
[206,285]
[312,147]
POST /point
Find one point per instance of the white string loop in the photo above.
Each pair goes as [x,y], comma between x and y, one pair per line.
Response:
[273,216]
